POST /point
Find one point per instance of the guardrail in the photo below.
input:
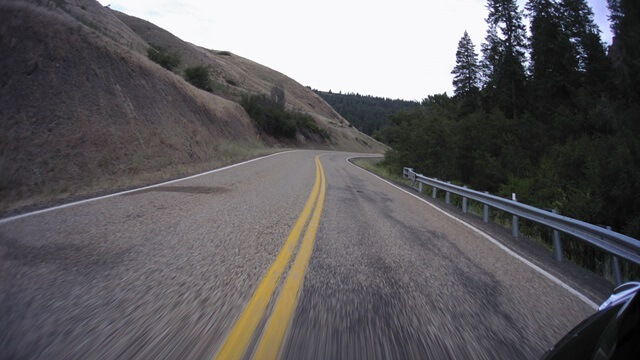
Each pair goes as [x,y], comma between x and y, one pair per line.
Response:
[616,244]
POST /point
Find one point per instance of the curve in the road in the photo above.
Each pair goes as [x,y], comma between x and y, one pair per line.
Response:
[167,272]
[276,328]
[243,331]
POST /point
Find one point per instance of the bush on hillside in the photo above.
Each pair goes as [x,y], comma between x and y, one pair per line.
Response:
[307,125]
[198,76]
[271,117]
[164,58]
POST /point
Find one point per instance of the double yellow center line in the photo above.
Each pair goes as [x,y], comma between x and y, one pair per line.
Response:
[275,330]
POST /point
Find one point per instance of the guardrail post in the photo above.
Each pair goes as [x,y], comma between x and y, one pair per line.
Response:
[464,203]
[514,222]
[434,192]
[557,244]
[447,197]
[420,187]
[617,273]
[485,211]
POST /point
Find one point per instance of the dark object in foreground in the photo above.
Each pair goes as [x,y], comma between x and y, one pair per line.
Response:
[611,333]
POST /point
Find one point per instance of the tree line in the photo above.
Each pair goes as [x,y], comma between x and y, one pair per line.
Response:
[552,114]
[369,114]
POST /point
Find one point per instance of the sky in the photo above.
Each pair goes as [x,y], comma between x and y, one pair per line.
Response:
[400,49]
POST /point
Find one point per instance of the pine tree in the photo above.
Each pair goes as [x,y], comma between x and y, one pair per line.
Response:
[616,15]
[491,54]
[504,56]
[587,44]
[625,50]
[466,73]
[554,74]
[578,17]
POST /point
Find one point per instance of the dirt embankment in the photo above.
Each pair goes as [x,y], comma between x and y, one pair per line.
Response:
[79,111]
[82,109]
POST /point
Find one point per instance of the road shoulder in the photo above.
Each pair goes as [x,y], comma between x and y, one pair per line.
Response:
[593,286]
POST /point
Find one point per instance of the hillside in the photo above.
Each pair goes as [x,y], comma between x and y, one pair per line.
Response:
[83,110]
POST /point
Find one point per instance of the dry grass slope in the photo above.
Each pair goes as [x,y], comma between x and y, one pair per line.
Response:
[235,76]
[83,110]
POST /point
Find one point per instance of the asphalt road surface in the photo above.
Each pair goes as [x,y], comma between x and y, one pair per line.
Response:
[190,268]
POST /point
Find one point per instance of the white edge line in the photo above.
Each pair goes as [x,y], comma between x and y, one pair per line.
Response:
[58,207]
[494,241]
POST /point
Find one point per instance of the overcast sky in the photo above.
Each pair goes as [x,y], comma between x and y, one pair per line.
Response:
[394,48]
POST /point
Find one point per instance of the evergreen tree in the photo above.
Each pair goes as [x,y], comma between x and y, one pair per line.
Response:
[491,54]
[466,72]
[616,15]
[587,44]
[578,17]
[504,56]
[598,67]
[625,50]
[554,73]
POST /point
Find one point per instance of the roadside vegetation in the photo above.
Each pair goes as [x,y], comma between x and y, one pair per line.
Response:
[552,117]
[271,116]
[374,165]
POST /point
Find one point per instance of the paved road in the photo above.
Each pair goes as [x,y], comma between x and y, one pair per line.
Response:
[168,272]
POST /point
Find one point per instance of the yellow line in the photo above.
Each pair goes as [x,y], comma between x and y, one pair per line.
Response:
[237,341]
[276,328]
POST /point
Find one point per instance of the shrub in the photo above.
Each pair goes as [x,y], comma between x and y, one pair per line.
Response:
[307,125]
[198,76]
[164,58]
[270,118]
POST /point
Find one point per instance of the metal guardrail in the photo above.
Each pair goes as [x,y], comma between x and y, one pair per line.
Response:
[616,244]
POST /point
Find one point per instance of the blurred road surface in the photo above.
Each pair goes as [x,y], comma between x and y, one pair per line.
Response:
[167,272]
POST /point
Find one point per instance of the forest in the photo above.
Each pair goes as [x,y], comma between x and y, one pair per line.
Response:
[551,114]
[368,114]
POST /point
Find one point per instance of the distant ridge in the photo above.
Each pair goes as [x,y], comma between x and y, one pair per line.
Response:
[367,113]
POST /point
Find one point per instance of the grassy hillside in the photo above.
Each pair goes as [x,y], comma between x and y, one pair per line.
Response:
[234,76]
[84,110]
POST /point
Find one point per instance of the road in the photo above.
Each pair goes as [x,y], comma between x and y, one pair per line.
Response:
[173,271]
